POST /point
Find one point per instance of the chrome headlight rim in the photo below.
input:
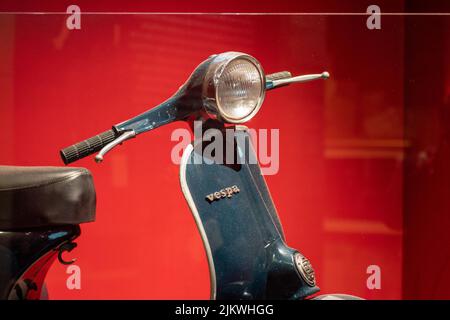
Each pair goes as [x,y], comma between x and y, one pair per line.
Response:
[211,83]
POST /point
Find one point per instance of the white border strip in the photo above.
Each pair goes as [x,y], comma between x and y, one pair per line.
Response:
[187,194]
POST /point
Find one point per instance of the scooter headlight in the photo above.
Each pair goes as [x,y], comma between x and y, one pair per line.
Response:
[234,87]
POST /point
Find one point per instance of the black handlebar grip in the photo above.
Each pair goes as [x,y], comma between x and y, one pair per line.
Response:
[278,75]
[87,147]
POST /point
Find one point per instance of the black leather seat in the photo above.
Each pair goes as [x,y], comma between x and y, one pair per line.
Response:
[33,197]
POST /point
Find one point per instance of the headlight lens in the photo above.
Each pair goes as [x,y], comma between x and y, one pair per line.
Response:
[233,87]
[239,89]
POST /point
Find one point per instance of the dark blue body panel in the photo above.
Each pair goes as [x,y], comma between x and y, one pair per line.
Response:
[26,256]
[242,233]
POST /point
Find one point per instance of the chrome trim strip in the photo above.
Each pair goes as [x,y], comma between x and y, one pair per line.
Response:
[198,221]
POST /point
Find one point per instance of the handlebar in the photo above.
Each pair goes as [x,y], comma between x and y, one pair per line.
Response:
[166,112]
[278,76]
[87,147]
[270,78]
[284,78]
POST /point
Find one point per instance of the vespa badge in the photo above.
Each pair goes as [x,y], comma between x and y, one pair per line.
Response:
[223,193]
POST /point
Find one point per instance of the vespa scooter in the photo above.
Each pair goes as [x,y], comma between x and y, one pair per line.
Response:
[248,257]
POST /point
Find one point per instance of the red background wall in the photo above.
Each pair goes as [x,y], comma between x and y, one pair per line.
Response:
[340,189]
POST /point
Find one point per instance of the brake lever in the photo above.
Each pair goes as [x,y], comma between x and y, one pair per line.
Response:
[284,81]
[123,137]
